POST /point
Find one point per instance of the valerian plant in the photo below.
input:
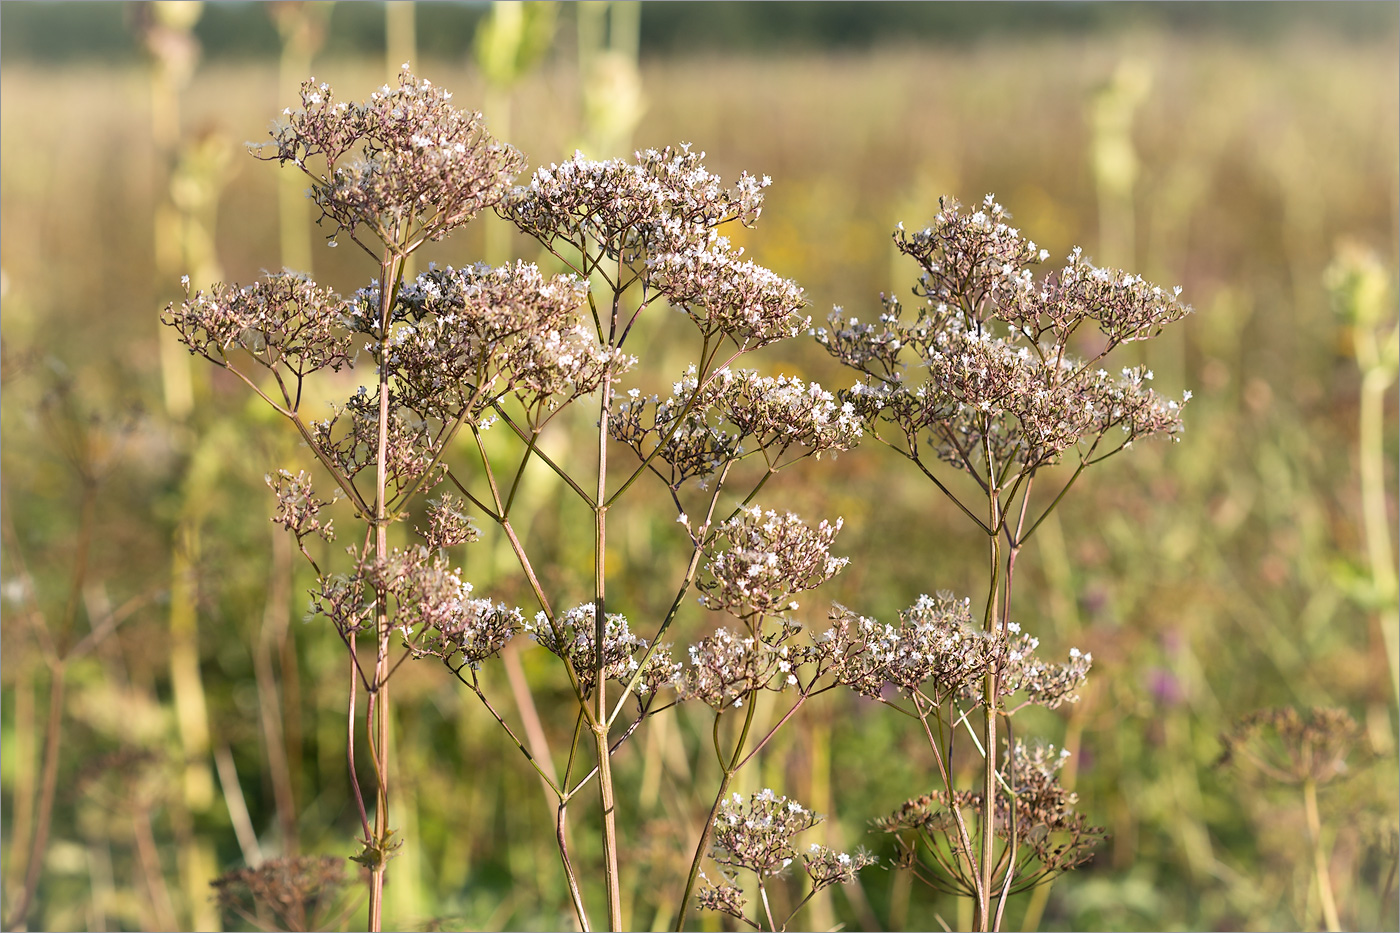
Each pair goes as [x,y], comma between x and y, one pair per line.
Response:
[456,351]
[983,379]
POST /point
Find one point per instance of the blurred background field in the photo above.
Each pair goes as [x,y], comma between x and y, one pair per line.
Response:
[162,692]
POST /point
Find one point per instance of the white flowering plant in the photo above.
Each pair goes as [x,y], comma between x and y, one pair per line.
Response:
[456,351]
[983,380]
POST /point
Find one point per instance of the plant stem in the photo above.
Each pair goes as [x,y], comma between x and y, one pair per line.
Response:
[53,737]
[1375,513]
[600,697]
[1324,879]
[391,269]
[729,769]
[989,740]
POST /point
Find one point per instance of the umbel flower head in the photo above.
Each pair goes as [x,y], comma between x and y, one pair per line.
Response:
[1288,747]
[757,835]
[405,164]
[657,219]
[464,338]
[736,413]
[1051,837]
[572,638]
[770,558]
[1002,388]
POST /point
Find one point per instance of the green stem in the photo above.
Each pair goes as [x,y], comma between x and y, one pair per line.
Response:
[391,271]
[1375,512]
[729,769]
[599,715]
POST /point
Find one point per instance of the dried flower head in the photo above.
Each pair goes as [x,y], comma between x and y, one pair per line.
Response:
[1003,391]
[405,163]
[572,637]
[1050,837]
[298,509]
[935,649]
[301,892]
[769,559]
[1287,747]
[287,323]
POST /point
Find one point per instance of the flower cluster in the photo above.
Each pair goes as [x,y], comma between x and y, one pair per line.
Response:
[699,428]
[285,322]
[448,523]
[970,260]
[301,891]
[349,439]
[664,202]
[780,411]
[1045,684]
[757,836]
[659,216]
[432,607]
[1001,387]
[827,866]
[726,295]
[1290,748]
[1124,306]
[726,667]
[935,649]
[1050,836]
[725,896]
[405,163]
[769,559]
[685,430]
[573,635]
[464,338]
[298,509]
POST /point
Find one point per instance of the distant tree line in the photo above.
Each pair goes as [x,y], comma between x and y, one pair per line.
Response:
[69,31]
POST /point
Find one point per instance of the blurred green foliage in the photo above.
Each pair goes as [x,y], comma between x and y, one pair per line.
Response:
[1209,579]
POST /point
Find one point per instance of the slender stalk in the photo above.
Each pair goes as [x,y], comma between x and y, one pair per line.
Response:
[728,769]
[990,687]
[1376,380]
[600,695]
[350,744]
[48,785]
[562,839]
[58,657]
[391,269]
[767,910]
[944,769]
[1320,869]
